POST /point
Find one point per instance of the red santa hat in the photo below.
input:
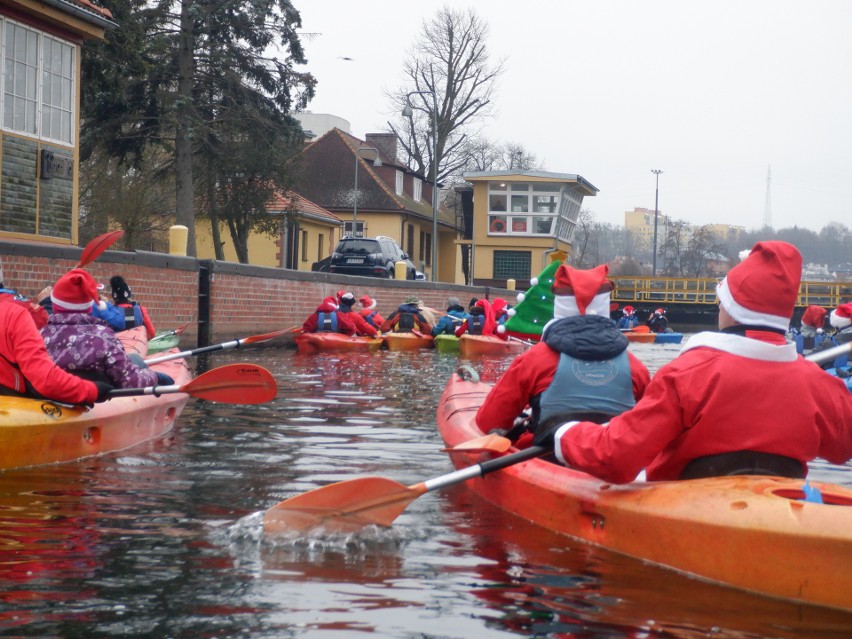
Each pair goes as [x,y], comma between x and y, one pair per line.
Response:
[328,304]
[577,292]
[367,302]
[76,292]
[628,310]
[841,317]
[762,289]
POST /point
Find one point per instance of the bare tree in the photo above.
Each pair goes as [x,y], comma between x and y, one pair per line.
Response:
[447,69]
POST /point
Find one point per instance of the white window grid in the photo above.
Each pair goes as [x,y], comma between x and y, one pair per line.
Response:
[417,190]
[399,182]
[530,209]
[37,84]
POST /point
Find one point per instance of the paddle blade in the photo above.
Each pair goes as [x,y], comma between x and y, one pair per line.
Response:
[97,246]
[491,443]
[346,506]
[234,384]
[254,339]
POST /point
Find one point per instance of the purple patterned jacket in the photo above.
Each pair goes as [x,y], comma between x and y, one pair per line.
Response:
[78,342]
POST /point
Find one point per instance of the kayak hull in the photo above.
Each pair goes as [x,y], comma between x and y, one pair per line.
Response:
[35,432]
[478,345]
[640,337]
[446,343]
[668,338]
[752,533]
[407,341]
[322,342]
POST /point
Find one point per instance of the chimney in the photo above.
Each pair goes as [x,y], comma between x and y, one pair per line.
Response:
[385,143]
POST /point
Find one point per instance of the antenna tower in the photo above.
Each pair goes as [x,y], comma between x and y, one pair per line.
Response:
[767,209]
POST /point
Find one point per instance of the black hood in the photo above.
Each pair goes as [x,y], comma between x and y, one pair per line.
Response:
[586,337]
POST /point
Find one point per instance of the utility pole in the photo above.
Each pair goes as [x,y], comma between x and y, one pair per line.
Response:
[656,215]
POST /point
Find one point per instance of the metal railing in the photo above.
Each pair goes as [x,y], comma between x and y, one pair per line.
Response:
[702,290]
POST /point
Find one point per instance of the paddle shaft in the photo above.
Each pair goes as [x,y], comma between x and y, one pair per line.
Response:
[830,353]
[148,390]
[483,468]
[225,346]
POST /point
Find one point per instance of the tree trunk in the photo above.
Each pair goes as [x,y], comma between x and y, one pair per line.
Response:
[184,190]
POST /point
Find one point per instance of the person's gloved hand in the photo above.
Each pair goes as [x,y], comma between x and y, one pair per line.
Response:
[544,437]
[164,380]
[103,391]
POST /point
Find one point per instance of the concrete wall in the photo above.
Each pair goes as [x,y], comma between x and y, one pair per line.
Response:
[244,300]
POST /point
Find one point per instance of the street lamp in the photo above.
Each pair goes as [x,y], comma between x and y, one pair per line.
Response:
[376,162]
[407,113]
[656,214]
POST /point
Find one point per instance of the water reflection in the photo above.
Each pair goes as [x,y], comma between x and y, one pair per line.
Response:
[164,540]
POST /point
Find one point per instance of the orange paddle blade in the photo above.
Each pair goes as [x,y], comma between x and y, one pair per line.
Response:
[234,384]
[491,443]
[254,339]
[97,246]
[346,506]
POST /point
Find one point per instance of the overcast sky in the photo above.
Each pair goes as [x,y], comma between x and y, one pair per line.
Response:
[713,93]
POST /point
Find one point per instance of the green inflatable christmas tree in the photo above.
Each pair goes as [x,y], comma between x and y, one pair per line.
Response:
[534,308]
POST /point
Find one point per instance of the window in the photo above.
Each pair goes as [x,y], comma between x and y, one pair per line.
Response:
[428,249]
[417,189]
[524,208]
[320,247]
[38,84]
[422,245]
[357,232]
[409,240]
[304,246]
[399,182]
[514,265]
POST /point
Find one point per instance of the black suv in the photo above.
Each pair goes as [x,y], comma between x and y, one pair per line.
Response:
[373,257]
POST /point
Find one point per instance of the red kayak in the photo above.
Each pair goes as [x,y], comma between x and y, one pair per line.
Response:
[753,533]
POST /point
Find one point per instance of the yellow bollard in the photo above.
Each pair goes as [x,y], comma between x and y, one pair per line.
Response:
[178,237]
[510,285]
[399,270]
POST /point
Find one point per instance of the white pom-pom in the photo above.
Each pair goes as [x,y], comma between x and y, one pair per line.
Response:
[534,281]
[501,329]
[102,305]
[820,331]
[591,312]
[511,312]
[744,254]
[521,297]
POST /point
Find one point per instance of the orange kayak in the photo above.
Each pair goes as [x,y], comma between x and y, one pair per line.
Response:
[753,533]
[640,337]
[407,341]
[475,345]
[321,342]
[36,431]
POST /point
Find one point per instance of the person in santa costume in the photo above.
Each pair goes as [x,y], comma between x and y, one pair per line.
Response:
[480,320]
[736,401]
[369,313]
[326,319]
[580,369]
[813,321]
[85,345]
[628,320]
[345,302]
[841,320]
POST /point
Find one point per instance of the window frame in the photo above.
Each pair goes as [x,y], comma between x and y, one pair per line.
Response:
[515,208]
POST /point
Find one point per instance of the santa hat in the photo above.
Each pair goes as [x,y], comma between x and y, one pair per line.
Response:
[762,289]
[488,324]
[841,317]
[628,310]
[121,292]
[367,302]
[76,292]
[579,292]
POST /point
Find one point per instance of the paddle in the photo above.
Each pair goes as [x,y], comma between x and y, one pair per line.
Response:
[97,246]
[830,353]
[225,346]
[174,331]
[231,384]
[353,504]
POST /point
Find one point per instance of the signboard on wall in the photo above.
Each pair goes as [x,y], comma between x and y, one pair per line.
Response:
[55,165]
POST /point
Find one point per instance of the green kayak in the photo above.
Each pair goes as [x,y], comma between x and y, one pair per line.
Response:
[446,343]
[163,341]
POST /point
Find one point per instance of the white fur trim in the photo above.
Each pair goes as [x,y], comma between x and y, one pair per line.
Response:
[102,305]
[744,315]
[838,322]
[743,346]
[72,307]
[557,446]
[566,306]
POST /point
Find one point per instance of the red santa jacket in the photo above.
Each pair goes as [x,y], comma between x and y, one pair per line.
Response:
[345,323]
[23,356]
[724,393]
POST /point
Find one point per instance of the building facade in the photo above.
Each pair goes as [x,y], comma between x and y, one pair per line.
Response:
[41,43]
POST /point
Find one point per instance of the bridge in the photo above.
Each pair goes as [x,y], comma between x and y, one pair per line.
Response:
[692,300]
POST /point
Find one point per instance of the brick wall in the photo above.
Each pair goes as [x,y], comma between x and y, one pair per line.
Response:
[244,300]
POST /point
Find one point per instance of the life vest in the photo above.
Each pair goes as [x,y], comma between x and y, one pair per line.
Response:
[132,316]
[369,318]
[327,322]
[475,324]
[406,322]
[580,387]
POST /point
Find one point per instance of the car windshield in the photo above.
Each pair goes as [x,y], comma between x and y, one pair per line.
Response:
[358,246]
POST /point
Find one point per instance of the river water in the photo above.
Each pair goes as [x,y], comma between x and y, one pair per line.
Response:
[164,540]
